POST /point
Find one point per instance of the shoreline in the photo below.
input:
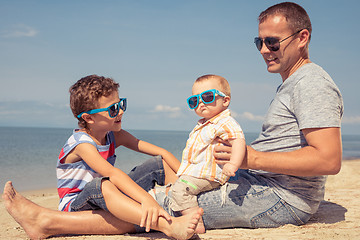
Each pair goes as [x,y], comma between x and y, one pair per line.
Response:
[337,218]
[31,191]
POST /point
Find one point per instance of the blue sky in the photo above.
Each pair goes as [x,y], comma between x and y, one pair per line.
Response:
[155,50]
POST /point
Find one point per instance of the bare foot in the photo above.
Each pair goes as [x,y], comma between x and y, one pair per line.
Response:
[184,227]
[200,227]
[25,212]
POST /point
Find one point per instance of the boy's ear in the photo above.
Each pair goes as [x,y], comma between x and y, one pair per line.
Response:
[226,101]
[87,118]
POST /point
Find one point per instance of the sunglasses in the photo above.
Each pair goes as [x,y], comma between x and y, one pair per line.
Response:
[206,97]
[113,109]
[272,43]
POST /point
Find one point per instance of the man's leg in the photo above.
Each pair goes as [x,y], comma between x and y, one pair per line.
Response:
[247,202]
[151,172]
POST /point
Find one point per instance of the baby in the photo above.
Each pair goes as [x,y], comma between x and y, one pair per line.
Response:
[198,171]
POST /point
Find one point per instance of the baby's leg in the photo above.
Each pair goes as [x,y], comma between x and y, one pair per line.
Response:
[129,210]
[184,196]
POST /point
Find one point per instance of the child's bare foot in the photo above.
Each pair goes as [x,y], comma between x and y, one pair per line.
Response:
[184,227]
[25,212]
[200,227]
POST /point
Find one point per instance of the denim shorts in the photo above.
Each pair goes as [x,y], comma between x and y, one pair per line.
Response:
[91,197]
[149,173]
[245,201]
[146,175]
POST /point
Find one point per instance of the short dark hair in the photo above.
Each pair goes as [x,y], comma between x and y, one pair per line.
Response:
[295,15]
[85,93]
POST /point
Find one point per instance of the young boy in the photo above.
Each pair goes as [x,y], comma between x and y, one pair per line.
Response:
[198,170]
[87,178]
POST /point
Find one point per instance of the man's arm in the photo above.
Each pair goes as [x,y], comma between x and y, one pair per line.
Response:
[321,157]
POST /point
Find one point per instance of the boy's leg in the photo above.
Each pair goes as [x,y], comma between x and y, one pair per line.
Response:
[39,222]
[129,210]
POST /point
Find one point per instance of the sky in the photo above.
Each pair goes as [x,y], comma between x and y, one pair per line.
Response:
[155,50]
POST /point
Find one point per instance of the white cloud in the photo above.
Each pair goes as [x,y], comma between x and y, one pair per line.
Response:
[173,112]
[248,116]
[166,109]
[19,30]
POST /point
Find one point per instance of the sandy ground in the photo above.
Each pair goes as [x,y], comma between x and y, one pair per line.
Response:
[337,218]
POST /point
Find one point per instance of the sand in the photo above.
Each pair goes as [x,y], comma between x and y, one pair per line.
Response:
[337,218]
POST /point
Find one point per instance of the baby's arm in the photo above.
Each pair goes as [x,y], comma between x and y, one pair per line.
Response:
[237,156]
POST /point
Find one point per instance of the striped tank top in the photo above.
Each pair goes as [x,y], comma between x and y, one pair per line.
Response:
[72,177]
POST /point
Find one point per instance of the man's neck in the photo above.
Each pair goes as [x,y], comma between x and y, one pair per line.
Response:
[301,62]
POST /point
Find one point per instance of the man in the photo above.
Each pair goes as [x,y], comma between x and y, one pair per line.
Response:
[299,144]
[300,140]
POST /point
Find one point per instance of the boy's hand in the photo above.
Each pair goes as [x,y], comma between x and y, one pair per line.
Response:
[229,169]
[151,211]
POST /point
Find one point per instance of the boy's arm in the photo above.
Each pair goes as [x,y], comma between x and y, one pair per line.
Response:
[154,150]
[127,140]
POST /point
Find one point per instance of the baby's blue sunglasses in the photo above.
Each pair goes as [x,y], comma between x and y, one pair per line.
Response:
[207,97]
[113,109]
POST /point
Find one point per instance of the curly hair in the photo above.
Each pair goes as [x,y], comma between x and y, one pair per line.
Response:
[85,93]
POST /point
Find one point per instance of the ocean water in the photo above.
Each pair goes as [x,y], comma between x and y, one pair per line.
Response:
[28,155]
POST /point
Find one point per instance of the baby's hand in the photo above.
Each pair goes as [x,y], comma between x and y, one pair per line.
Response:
[229,169]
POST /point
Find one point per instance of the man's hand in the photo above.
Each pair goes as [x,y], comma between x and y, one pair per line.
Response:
[222,154]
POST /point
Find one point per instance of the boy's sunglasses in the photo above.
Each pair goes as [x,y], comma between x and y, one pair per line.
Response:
[113,109]
[272,43]
[207,97]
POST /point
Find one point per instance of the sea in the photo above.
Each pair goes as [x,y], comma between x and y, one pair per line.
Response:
[28,155]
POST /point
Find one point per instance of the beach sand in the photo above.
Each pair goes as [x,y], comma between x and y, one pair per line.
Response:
[337,218]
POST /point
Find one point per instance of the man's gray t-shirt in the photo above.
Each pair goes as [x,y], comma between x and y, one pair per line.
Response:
[307,99]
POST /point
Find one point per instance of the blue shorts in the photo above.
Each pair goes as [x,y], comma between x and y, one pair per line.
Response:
[145,175]
[90,198]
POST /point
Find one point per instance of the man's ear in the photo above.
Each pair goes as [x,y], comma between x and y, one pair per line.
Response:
[304,38]
[226,101]
[87,118]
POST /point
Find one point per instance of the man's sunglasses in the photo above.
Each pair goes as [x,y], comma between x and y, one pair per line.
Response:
[206,97]
[113,109]
[272,43]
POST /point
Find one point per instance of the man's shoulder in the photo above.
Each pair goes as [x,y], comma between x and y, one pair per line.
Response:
[311,76]
[311,70]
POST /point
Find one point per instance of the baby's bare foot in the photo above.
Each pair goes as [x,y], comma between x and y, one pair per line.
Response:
[25,212]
